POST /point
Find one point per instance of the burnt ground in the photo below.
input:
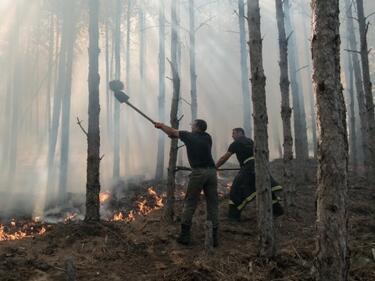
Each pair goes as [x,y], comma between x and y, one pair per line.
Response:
[145,249]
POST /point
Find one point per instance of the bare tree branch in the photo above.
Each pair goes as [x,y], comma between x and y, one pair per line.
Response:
[179,119]
[352,51]
[181,146]
[204,23]
[79,122]
[301,68]
[370,15]
[184,100]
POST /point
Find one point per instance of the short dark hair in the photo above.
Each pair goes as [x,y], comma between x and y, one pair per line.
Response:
[201,124]
[239,130]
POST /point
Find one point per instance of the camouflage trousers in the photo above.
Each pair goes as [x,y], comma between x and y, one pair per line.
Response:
[206,180]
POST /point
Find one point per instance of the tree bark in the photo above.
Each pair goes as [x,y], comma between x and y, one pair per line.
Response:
[358,82]
[93,133]
[367,85]
[300,131]
[171,181]
[161,101]
[247,116]
[258,79]
[286,112]
[331,195]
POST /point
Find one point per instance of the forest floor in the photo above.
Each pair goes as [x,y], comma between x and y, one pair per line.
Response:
[145,249]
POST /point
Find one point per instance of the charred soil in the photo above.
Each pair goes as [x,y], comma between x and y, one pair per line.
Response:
[145,248]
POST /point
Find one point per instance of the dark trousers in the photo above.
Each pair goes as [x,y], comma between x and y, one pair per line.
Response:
[206,180]
[243,189]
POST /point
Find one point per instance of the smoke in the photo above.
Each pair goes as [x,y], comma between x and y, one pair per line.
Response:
[219,92]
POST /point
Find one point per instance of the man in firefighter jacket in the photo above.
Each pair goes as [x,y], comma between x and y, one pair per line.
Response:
[243,189]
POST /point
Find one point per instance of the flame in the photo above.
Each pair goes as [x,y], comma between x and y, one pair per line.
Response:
[131,216]
[42,231]
[70,217]
[118,217]
[8,236]
[158,199]
[104,196]
[14,230]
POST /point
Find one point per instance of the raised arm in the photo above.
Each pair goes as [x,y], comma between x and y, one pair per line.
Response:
[171,132]
[223,159]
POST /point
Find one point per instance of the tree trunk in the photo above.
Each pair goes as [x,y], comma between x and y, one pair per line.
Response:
[352,127]
[247,118]
[258,79]
[66,100]
[56,110]
[300,134]
[351,116]
[193,71]
[127,81]
[358,82]
[93,133]
[367,85]
[331,195]
[142,47]
[286,112]
[310,93]
[117,43]
[169,208]
[7,117]
[161,105]
[51,48]
[15,97]
[107,79]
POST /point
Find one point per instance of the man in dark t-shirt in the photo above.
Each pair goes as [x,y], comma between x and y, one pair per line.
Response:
[243,189]
[203,177]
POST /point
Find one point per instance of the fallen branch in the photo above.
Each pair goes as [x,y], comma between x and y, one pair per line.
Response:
[70,270]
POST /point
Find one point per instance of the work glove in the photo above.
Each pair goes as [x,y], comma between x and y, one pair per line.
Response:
[158,125]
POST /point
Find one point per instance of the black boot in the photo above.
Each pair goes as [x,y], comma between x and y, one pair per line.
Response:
[215,236]
[184,237]
[277,209]
[233,213]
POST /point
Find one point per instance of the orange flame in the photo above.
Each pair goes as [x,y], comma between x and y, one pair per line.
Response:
[70,217]
[42,231]
[11,236]
[118,217]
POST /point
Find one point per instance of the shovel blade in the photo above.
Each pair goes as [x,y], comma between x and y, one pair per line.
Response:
[121,96]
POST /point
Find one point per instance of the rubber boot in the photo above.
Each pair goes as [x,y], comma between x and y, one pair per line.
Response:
[277,209]
[233,213]
[215,236]
[184,237]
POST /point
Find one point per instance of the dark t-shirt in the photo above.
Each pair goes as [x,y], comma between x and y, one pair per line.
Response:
[243,147]
[198,146]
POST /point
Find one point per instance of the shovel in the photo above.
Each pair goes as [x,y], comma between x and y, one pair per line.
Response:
[118,88]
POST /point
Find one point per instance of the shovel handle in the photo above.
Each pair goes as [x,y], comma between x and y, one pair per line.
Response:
[140,112]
